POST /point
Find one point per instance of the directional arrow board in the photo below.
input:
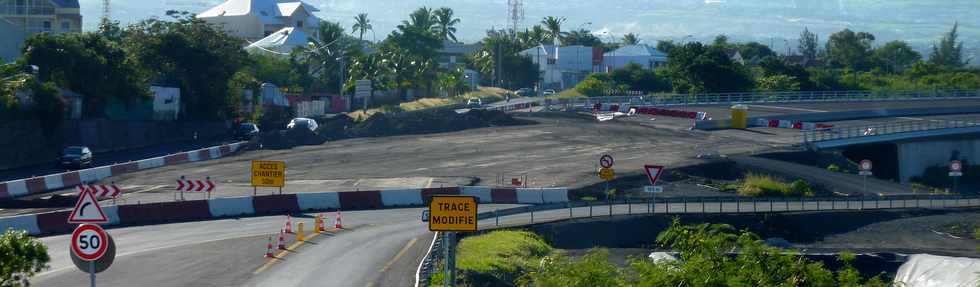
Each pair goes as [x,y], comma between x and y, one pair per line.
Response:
[102,190]
[87,209]
[195,185]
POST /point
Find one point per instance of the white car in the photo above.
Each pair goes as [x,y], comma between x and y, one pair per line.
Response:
[302,122]
[474,103]
[548,92]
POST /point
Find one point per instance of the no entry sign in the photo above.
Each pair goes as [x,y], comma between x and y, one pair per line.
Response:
[606,161]
[89,242]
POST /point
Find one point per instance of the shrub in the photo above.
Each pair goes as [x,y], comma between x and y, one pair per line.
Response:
[800,187]
[762,185]
[501,255]
[833,168]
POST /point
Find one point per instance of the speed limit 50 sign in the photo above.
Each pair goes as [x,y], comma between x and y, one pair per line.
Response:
[89,242]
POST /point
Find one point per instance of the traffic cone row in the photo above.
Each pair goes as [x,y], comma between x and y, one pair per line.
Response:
[319,223]
[268,249]
[282,241]
[337,223]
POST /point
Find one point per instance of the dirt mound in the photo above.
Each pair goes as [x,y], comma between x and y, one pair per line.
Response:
[335,128]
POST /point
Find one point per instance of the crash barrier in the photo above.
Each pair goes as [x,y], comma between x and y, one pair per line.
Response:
[721,205]
[788,124]
[136,214]
[512,107]
[765,97]
[28,186]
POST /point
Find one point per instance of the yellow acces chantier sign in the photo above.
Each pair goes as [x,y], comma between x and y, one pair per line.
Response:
[268,173]
[452,213]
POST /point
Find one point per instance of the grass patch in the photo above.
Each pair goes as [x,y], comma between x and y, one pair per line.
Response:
[502,255]
[488,94]
[766,185]
[567,94]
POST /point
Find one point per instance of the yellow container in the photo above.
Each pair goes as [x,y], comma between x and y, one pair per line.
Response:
[740,117]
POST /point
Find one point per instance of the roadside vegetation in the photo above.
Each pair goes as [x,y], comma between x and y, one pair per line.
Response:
[486,94]
[21,256]
[848,60]
[762,185]
[704,257]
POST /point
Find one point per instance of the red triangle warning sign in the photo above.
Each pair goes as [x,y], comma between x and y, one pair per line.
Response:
[653,173]
[87,210]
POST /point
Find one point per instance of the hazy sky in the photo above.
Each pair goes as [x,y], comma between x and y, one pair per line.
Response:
[918,21]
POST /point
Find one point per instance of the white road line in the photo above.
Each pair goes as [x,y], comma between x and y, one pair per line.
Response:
[418,271]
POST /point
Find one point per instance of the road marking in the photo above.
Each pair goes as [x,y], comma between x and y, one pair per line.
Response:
[291,247]
[399,255]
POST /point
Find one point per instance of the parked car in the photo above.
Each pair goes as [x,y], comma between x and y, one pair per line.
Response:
[525,92]
[76,156]
[474,103]
[246,131]
[548,92]
[302,123]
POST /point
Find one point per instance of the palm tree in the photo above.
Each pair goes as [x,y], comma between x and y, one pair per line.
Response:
[553,26]
[361,25]
[445,23]
[421,18]
[533,37]
[630,39]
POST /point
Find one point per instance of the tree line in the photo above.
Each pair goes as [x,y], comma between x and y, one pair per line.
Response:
[848,60]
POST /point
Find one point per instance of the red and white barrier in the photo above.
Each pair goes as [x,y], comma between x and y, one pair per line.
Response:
[787,124]
[55,222]
[23,187]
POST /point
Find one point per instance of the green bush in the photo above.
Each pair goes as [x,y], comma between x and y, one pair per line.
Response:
[501,255]
[592,86]
[833,168]
[800,187]
[755,185]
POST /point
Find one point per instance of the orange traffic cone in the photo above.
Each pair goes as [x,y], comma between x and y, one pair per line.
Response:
[282,241]
[289,224]
[320,228]
[336,223]
[268,249]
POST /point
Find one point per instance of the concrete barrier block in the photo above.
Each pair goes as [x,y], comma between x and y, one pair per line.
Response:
[274,204]
[401,197]
[214,152]
[231,206]
[529,195]
[427,193]
[318,201]
[71,179]
[482,193]
[54,181]
[504,195]
[177,158]
[54,222]
[150,163]
[365,199]
[193,156]
[555,195]
[112,212]
[22,222]
[16,188]
[3,190]
[95,174]
[124,168]
[35,185]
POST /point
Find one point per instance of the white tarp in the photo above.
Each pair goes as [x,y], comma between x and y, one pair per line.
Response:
[281,42]
[925,270]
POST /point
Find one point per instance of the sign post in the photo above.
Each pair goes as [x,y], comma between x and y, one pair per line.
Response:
[452,214]
[653,174]
[268,174]
[865,172]
[955,171]
[607,173]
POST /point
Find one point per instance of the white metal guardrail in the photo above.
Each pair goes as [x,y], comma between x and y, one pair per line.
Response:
[856,131]
[765,97]
[717,205]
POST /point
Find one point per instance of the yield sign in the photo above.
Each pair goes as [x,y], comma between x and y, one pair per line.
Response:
[653,173]
[87,210]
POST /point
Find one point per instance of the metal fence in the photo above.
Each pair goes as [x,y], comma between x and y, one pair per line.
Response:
[856,131]
[716,205]
[765,97]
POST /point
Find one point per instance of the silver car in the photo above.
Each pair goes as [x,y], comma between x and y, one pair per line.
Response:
[302,122]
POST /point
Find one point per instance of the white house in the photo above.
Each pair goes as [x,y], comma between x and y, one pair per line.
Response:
[562,67]
[641,54]
[256,19]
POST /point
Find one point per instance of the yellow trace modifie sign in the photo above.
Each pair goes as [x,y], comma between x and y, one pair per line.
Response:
[268,173]
[452,213]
